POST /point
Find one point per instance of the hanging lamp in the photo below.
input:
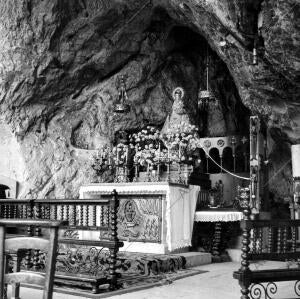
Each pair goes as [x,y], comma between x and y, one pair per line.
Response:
[206,97]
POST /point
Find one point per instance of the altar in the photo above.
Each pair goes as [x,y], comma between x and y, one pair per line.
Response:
[154,217]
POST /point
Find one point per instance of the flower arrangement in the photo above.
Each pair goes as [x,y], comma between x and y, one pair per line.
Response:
[147,145]
[180,141]
[146,138]
[150,151]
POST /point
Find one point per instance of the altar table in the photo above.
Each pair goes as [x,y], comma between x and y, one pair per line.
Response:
[154,217]
[217,216]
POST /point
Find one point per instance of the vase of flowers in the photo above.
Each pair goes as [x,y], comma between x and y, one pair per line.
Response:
[180,141]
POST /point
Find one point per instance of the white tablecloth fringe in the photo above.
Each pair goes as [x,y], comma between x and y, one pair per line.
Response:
[211,216]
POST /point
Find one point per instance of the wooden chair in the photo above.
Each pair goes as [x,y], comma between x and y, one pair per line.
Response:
[15,244]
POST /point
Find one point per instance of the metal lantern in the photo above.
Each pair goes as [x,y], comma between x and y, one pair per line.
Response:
[121,105]
[206,97]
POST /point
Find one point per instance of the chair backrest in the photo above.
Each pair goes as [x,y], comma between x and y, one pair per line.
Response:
[37,243]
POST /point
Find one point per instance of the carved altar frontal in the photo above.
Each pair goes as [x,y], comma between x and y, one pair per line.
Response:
[153,217]
[140,218]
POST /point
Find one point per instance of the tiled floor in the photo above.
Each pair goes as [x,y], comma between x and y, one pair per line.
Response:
[217,283]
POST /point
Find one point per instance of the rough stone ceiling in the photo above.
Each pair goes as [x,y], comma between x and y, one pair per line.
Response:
[57,56]
[53,50]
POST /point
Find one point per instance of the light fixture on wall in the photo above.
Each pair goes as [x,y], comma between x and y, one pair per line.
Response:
[121,105]
[206,97]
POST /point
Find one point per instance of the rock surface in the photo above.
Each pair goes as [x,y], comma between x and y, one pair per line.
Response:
[60,61]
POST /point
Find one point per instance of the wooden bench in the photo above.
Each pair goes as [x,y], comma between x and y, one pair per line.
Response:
[281,245]
[79,261]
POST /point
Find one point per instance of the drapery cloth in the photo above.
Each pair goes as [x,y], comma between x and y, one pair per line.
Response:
[180,213]
[179,209]
[218,216]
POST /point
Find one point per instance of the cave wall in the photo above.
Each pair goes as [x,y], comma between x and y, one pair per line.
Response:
[60,60]
[12,165]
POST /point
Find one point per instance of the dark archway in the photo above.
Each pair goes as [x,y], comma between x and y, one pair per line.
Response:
[3,188]
[227,159]
[212,167]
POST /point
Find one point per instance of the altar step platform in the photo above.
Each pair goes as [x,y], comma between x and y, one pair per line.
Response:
[155,264]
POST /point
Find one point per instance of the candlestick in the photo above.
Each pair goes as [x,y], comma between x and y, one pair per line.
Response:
[126,155]
[148,172]
[117,157]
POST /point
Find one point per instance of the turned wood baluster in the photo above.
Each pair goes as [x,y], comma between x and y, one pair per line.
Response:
[294,239]
[114,204]
[87,211]
[102,216]
[48,211]
[260,240]
[108,215]
[36,257]
[38,216]
[62,212]
[284,239]
[25,211]
[81,215]
[55,211]
[42,211]
[8,214]
[21,211]
[270,239]
[30,215]
[254,241]
[245,283]
[279,240]
[28,259]
[216,241]
[68,213]
[74,215]
[15,211]
[94,215]
[5,211]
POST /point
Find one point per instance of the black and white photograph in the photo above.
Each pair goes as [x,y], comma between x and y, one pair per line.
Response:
[149,149]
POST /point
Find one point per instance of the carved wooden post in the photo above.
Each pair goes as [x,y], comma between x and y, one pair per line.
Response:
[30,215]
[37,216]
[245,278]
[114,204]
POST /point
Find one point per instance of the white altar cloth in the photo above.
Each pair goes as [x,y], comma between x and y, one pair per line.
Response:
[218,216]
[177,213]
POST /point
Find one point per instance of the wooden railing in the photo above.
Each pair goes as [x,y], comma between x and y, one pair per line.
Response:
[267,240]
[99,215]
